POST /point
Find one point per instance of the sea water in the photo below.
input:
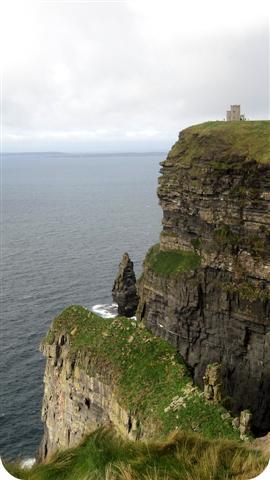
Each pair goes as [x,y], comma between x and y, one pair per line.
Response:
[66,221]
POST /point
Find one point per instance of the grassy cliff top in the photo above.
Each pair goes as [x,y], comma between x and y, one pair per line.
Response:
[149,376]
[249,140]
[183,456]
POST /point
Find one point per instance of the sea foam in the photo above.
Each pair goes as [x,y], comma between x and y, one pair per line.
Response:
[106,310]
[28,463]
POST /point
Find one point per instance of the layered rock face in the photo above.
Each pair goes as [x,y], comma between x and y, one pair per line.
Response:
[124,289]
[76,403]
[215,195]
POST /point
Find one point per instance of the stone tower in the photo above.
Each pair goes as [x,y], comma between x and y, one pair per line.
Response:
[234,115]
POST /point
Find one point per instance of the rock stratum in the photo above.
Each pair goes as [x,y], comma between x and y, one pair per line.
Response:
[206,287]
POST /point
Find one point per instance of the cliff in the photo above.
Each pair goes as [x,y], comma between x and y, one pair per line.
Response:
[204,297]
[115,373]
[206,287]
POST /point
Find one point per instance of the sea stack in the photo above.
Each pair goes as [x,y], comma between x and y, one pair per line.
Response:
[124,290]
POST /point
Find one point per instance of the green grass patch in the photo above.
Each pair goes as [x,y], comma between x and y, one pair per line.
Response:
[172,262]
[103,455]
[248,138]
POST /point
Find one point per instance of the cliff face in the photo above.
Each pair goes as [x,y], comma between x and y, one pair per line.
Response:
[76,402]
[215,195]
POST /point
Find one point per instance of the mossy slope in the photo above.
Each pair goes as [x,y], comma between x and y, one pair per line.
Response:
[150,378]
[173,262]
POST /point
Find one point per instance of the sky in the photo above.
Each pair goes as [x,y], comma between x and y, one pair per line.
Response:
[87,76]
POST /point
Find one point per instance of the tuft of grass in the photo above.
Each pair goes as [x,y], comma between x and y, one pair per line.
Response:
[181,456]
[172,262]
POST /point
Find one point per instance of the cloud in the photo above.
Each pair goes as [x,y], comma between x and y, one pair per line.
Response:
[102,75]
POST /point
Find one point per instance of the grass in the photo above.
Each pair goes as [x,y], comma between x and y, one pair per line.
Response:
[227,143]
[147,372]
[173,262]
[182,456]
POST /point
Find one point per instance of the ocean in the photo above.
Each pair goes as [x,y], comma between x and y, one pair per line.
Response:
[66,221]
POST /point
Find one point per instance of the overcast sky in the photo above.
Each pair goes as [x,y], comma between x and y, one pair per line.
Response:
[128,75]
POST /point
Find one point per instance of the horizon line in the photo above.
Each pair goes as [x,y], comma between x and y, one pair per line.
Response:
[59,152]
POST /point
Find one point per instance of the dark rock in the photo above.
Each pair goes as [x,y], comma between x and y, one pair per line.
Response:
[124,290]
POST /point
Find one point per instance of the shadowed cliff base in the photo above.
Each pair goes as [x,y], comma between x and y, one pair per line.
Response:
[182,456]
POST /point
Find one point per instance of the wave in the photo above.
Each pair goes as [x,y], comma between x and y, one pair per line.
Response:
[28,463]
[106,310]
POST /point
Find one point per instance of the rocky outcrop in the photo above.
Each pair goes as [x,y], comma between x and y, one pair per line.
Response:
[263,444]
[215,196]
[212,383]
[245,423]
[76,403]
[102,372]
[124,289]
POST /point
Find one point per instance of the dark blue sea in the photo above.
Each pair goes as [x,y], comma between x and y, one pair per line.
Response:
[66,221]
